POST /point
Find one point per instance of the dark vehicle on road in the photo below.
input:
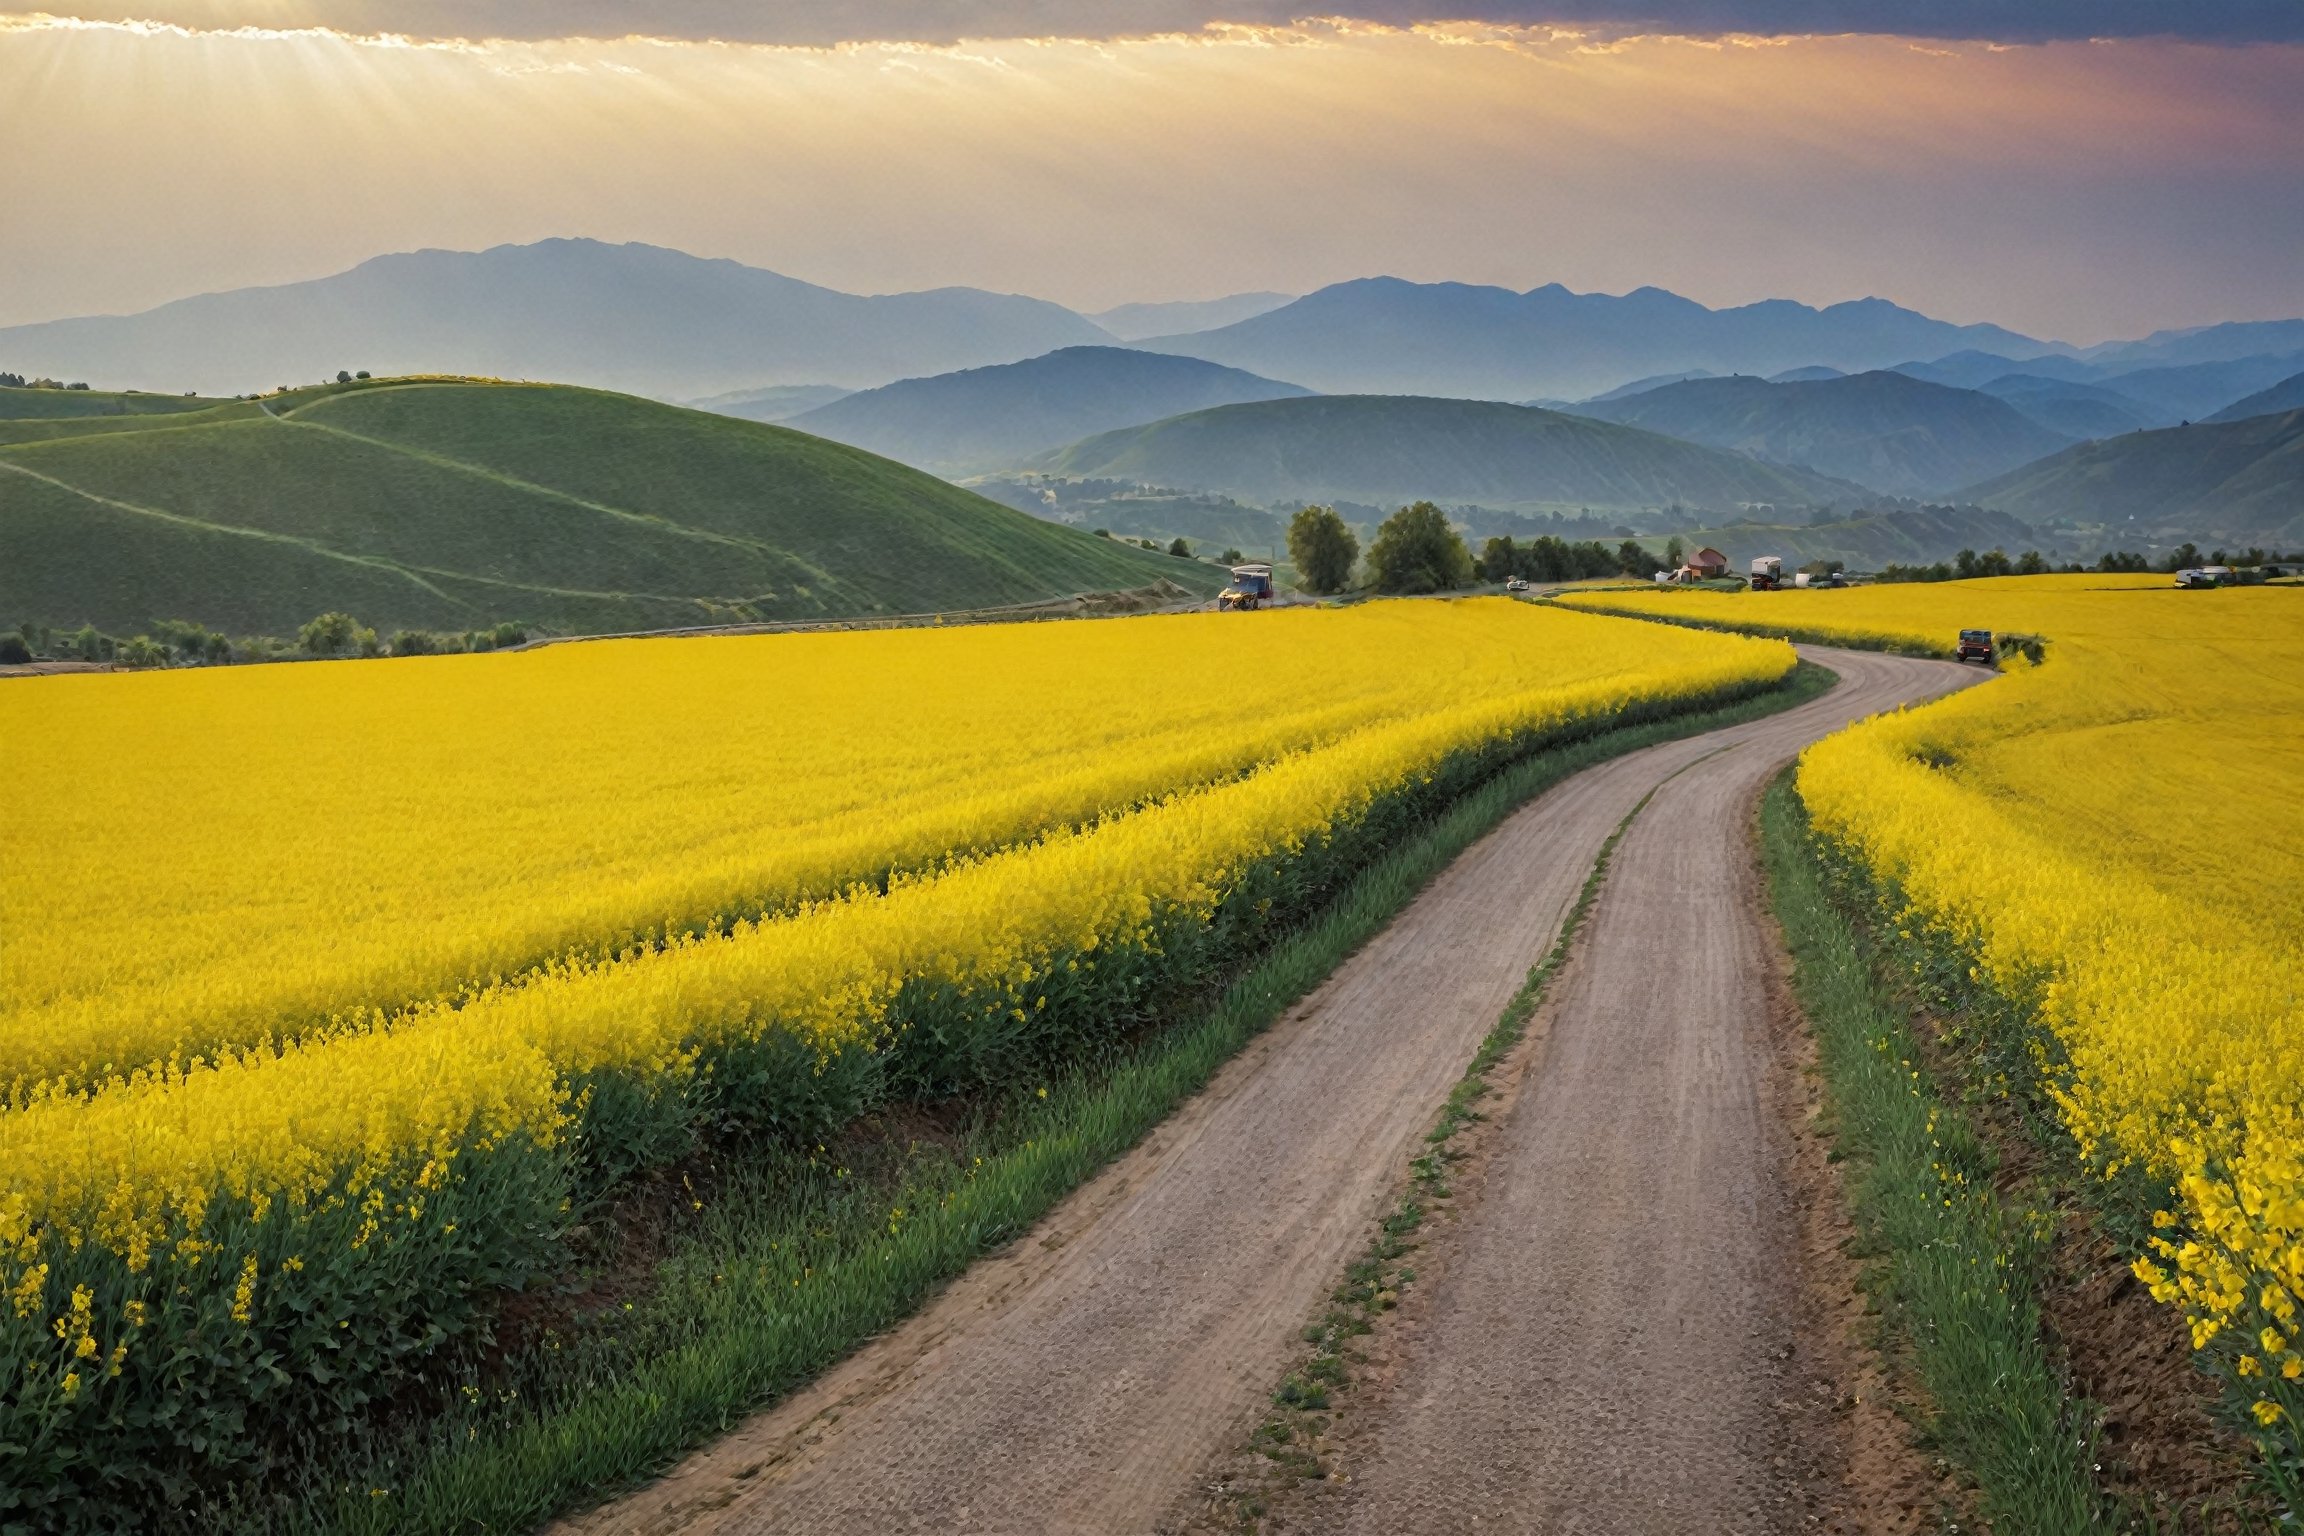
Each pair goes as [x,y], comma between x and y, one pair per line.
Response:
[1975,645]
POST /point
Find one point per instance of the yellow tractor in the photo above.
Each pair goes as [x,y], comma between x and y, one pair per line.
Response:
[1251,588]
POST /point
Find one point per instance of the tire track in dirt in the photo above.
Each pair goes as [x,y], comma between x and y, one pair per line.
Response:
[1081,1380]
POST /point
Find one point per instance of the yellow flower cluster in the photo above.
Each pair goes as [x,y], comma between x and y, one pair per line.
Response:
[210,859]
[2112,831]
[393,1094]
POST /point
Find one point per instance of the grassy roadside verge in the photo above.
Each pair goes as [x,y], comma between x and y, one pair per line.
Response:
[1953,1266]
[796,1264]
[1289,1441]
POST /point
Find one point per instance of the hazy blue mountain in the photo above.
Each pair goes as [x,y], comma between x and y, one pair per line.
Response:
[995,418]
[1653,381]
[1972,369]
[628,317]
[1389,449]
[1807,375]
[1883,429]
[1383,334]
[1134,322]
[2075,409]
[2200,344]
[2193,391]
[777,402]
[2287,395]
[2240,480]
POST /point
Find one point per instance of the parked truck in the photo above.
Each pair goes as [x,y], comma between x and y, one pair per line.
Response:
[1251,588]
[1767,573]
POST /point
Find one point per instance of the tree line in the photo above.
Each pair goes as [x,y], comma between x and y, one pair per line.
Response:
[1417,550]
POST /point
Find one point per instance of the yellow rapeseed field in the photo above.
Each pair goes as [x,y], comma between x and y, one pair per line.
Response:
[295,1170]
[2113,830]
[213,858]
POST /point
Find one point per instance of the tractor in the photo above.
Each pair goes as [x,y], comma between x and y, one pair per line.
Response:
[1251,588]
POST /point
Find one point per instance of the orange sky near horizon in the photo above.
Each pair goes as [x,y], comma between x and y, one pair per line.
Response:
[2078,190]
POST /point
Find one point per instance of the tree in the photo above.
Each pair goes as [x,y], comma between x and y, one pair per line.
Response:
[337,634]
[1231,556]
[1417,551]
[14,652]
[2183,557]
[1498,561]
[1675,553]
[1634,560]
[1179,548]
[2031,563]
[343,376]
[1323,547]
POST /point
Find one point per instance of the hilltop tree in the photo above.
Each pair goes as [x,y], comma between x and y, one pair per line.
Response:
[1417,551]
[1179,548]
[1323,547]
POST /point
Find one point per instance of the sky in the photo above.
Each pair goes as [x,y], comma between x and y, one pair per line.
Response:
[2102,168]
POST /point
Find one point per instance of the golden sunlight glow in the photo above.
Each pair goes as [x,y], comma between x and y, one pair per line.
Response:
[152,159]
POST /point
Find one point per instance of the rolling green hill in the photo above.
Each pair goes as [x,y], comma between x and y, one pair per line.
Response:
[2237,480]
[1394,448]
[1887,430]
[985,419]
[450,505]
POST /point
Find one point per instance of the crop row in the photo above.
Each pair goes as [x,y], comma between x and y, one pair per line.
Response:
[447,822]
[202,1253]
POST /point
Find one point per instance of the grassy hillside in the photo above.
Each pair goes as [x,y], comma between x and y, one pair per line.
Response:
[1394,448]
[1895,433]
[451,505]
[2240,479]
[984,419]
[67,404]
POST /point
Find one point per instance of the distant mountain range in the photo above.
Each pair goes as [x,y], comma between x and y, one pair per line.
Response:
[1134,322]
[1385,335]
[1885,430]
[1388,449]
[984,419]
[2239,480]
[657,322]
[630,317]
[2287,395]
[2153,394]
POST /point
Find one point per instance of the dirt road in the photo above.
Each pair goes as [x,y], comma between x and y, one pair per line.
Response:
[1606,1332]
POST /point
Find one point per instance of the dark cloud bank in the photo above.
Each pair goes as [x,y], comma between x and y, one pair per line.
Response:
[822,22]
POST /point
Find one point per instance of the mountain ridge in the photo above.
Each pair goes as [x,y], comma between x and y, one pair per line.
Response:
[1388,449]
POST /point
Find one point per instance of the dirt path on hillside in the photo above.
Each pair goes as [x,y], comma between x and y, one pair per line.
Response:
[1082,1380]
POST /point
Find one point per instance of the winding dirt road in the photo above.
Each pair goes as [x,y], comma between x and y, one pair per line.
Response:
[1602,1349]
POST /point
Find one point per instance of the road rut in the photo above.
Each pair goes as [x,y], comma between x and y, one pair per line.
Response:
[1081,1380]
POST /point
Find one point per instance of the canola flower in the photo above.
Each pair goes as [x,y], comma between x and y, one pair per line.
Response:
[2109,834]
[206,860]
[371,1111]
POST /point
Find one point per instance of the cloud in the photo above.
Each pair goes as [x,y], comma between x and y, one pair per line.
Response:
[823,23]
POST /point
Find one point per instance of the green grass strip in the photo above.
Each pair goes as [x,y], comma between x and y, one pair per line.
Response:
[1955,1268]
[511,1466]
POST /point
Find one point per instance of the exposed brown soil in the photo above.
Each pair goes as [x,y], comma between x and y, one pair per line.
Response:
[1082,1380]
